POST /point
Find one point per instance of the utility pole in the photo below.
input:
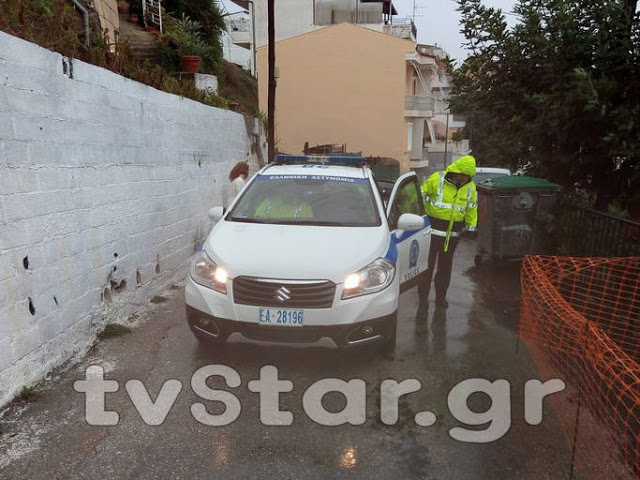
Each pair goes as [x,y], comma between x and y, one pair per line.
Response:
[271,101]
[446,140]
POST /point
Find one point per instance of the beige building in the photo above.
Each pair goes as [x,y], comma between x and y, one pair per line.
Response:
[342,84]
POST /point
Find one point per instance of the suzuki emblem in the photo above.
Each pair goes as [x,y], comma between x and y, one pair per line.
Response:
[283,294]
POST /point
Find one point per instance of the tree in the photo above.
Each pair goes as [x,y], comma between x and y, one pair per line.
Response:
[559,92]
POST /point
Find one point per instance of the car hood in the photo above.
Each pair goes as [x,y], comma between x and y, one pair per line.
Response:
[294,252]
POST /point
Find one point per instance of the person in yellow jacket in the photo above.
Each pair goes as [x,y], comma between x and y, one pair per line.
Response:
[452,206]
[284,207]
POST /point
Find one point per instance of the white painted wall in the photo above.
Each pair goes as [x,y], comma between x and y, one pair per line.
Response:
[296,17]
[235,54]
[104,188]
[292,18]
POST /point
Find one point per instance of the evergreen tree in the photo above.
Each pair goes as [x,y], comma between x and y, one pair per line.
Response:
[559,92]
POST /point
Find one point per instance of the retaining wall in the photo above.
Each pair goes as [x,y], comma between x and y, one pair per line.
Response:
[105,185]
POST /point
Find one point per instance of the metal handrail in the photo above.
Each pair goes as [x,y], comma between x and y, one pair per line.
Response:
[596,233]
[156,18]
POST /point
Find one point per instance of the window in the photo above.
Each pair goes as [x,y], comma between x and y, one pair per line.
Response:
[408,199]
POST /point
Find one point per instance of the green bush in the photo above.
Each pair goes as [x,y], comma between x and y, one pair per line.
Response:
[58,26]
[186,37]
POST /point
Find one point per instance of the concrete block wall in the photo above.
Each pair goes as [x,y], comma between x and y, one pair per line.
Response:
[105,185]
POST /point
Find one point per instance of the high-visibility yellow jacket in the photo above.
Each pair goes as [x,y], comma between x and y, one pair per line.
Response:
[450,208]
[278,208]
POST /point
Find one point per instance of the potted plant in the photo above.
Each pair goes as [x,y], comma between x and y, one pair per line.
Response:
[187,37]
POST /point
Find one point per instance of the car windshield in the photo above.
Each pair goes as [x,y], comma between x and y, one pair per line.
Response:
[307,200]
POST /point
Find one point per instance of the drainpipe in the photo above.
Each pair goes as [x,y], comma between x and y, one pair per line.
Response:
[85,14]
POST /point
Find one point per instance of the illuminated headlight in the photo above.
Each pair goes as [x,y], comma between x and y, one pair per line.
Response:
[206,273]
[376,276]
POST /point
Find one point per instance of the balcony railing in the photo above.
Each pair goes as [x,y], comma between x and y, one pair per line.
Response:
[238,24]
[152,13]
[420,59]
[403,28]
[459,147]
[420,104]
[330,12]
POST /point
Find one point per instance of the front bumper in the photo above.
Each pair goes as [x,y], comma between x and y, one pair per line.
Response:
[330,336]
[355,321]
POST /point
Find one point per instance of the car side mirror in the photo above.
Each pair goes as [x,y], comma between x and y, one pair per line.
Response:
[410,221]
[216,213]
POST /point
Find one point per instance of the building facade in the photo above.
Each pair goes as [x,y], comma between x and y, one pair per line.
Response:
[342,90]
[342,84]
[437,137]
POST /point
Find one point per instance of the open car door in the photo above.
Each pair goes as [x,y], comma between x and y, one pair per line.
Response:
[410,229]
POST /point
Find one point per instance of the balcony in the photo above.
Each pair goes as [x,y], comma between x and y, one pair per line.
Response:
[419,106]
[456,148]
[420,60]
[419,163]
[431,51]
[403,28]
[239,29]
[331,12]
[242,39]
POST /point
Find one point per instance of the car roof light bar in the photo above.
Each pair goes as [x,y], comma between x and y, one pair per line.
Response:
[345,160]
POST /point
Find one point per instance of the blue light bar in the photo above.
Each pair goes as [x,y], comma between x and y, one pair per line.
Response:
[348,160]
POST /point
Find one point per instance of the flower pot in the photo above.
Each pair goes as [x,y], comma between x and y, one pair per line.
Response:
[190,63]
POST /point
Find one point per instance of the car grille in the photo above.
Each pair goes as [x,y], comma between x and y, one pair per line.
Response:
[270,333]
[269,292]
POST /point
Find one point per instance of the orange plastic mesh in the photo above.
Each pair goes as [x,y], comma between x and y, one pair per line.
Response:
[581,320]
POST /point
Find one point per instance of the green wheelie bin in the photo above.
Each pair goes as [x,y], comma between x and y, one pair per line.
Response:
[508,211]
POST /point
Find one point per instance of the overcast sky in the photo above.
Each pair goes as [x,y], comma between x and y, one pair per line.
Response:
[437,21]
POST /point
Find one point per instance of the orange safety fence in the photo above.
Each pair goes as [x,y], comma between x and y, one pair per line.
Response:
[580,317]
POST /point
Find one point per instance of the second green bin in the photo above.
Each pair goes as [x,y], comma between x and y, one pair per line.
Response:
[508,208]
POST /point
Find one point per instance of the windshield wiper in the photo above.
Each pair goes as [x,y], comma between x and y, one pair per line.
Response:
[248,220]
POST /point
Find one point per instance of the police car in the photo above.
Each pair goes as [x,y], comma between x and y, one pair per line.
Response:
[308,254]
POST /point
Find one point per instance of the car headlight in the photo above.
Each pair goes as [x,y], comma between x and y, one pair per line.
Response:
[206,273]
[376,276]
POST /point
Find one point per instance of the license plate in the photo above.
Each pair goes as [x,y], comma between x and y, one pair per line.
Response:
[280,317]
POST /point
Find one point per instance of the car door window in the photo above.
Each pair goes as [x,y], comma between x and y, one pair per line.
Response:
[408,199]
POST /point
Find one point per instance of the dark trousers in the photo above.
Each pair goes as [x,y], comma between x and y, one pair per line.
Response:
[443,273]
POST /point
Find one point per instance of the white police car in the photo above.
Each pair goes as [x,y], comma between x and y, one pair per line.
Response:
[308,254]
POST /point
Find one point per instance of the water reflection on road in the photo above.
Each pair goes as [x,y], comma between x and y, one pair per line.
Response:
[439,348]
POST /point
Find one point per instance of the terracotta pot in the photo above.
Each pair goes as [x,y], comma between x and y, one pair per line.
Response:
[190,63]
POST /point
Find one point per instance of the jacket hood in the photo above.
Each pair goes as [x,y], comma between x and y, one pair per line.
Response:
[466,165]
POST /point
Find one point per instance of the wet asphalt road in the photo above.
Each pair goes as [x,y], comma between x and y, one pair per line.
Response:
[48,437]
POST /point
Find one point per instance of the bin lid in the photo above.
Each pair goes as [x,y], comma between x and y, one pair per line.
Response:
[517,182]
